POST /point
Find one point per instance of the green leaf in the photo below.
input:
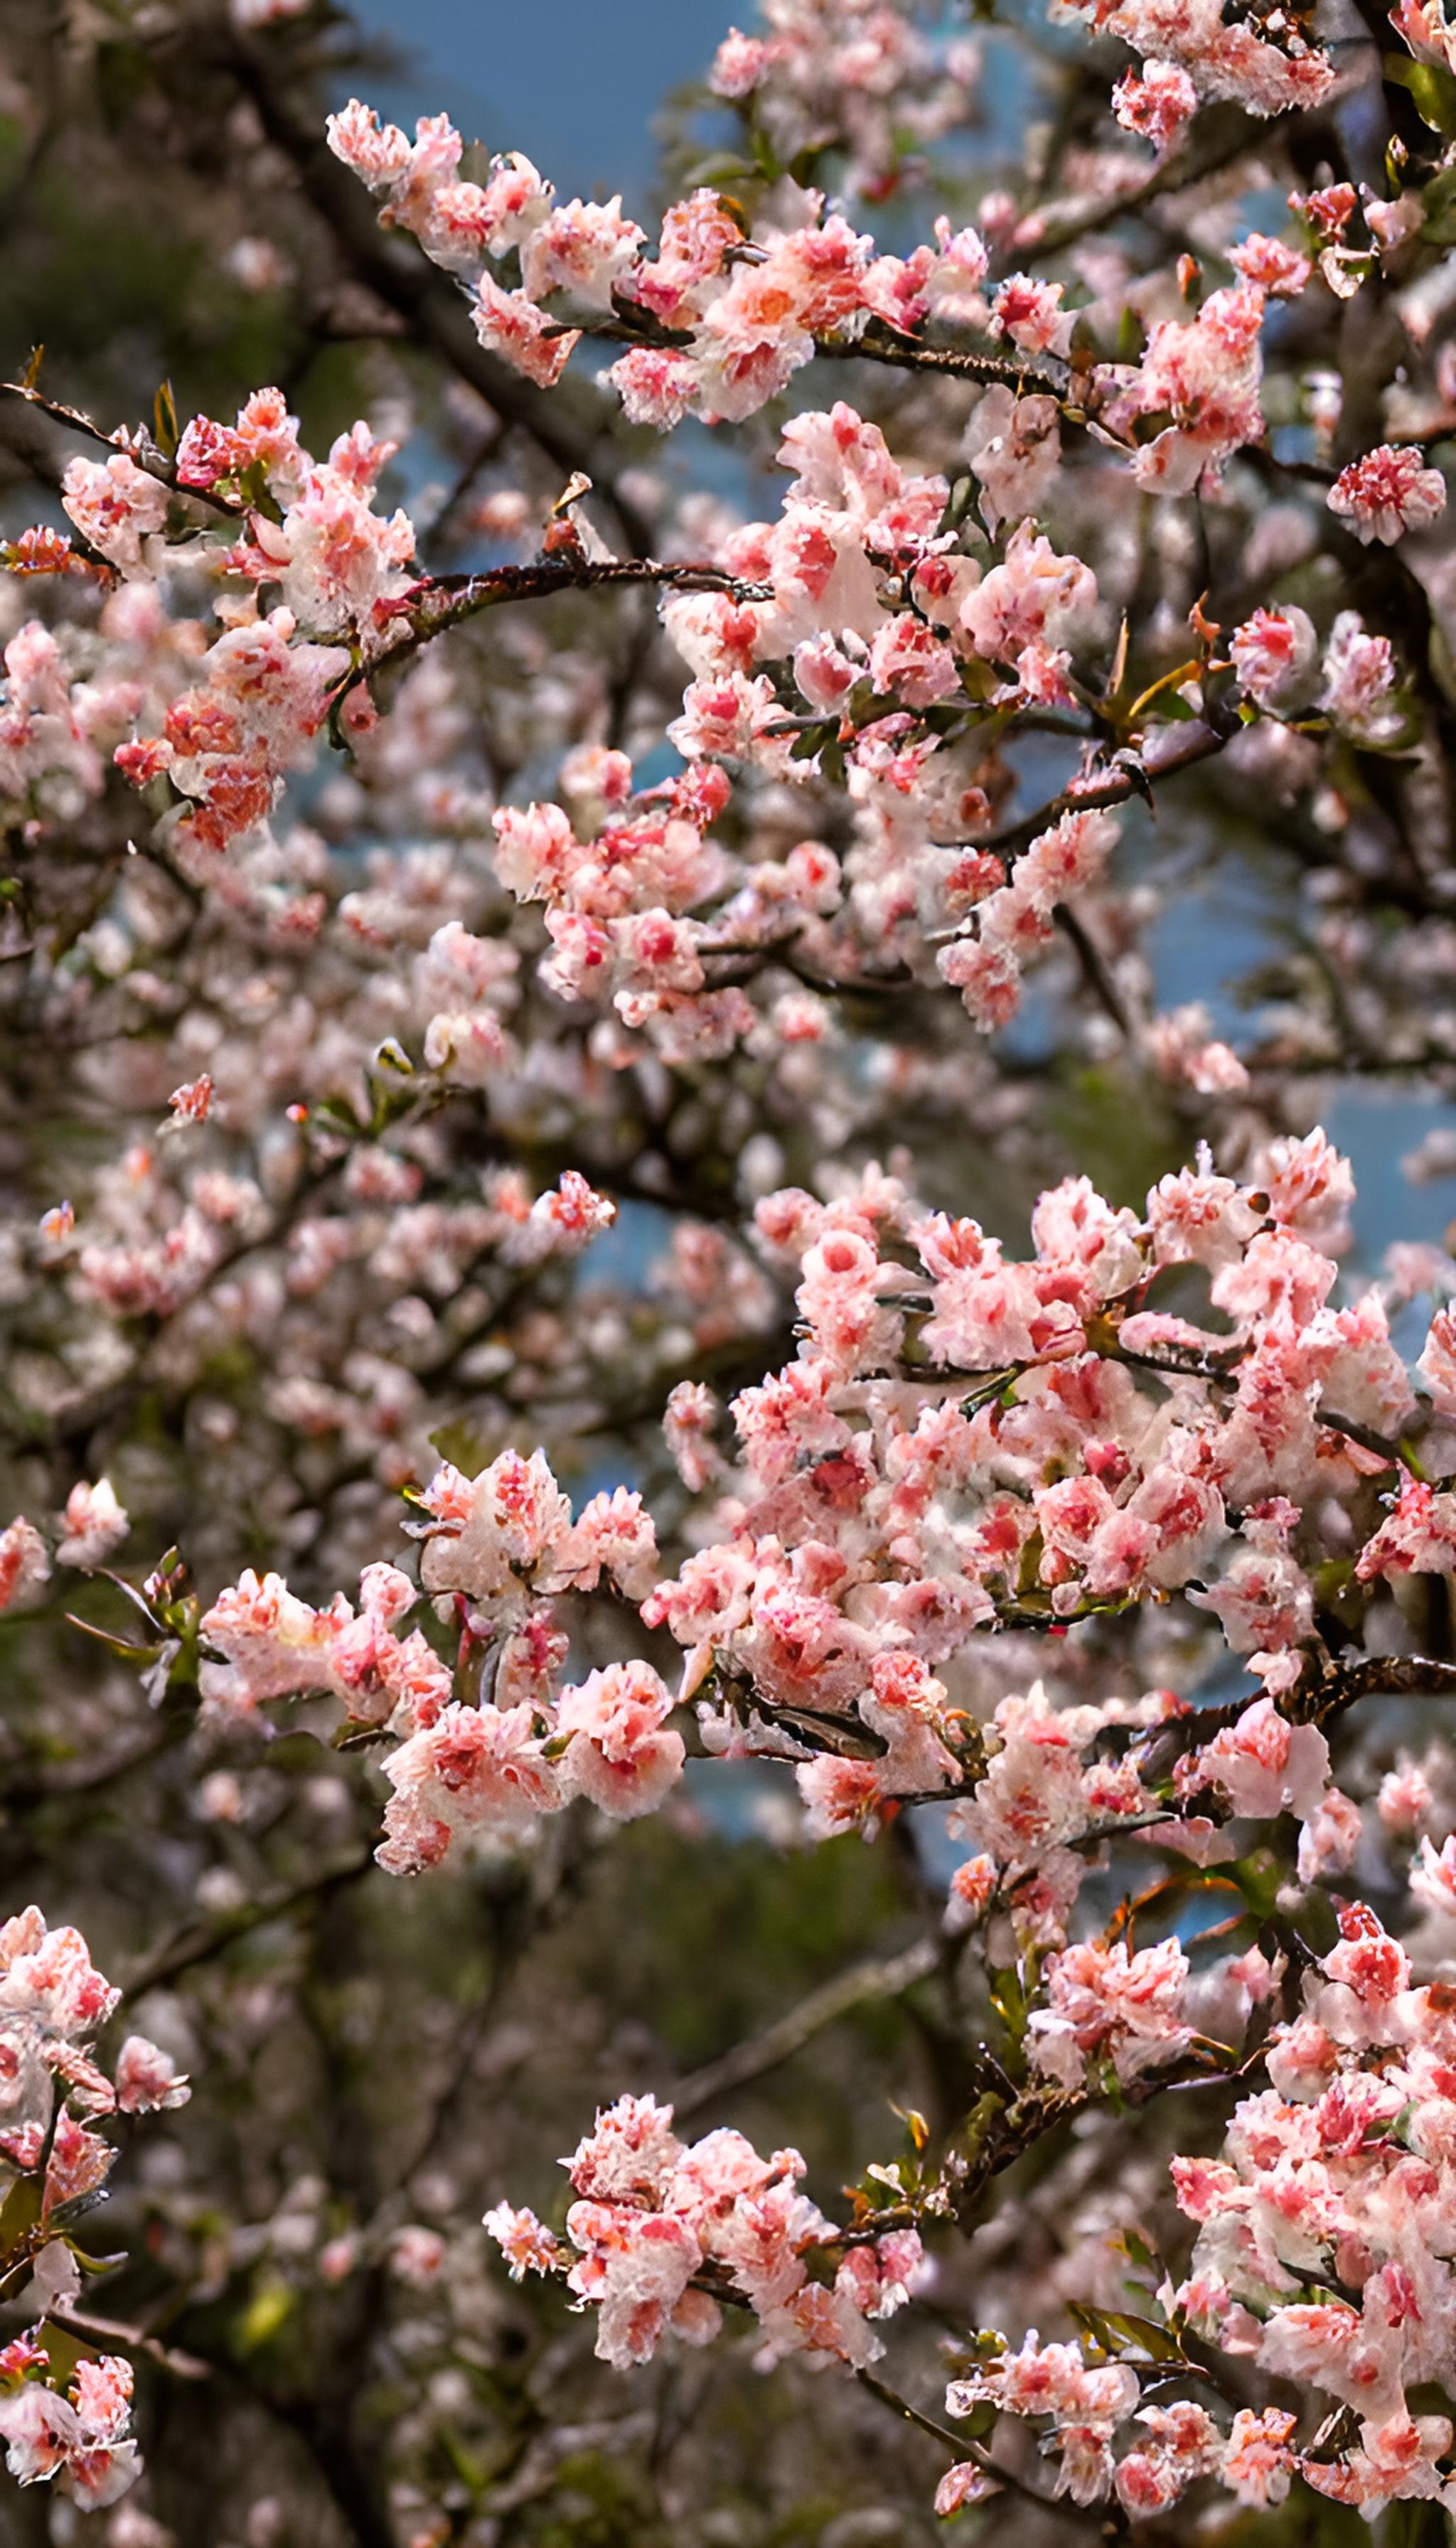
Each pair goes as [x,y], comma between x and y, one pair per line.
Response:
[122,1646]
[64,2351]
[1131,338]
[266,2314]
[1009,2000]
[20,2212]
[915,2125]
[1137,2250]
[1433,90]
[1120,2334]
[979,2423]
[722,168]
[1260,1880]
[1314,1921]
[460,1444]
[337,1111]
[164,421]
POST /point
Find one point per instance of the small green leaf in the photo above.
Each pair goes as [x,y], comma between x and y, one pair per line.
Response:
[164,421]
[20,2212]
[1120,2334]
[266,2314]
[1433,90]
[460,1444]
[63,2353]
[1260,1880]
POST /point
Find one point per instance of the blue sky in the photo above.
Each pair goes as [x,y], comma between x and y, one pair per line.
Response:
[575,85]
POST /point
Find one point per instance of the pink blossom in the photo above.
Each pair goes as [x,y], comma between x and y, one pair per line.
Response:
[1360,675]
[1433,1877]
[1159,104]
[509,324]
[1387,492]
[416,2255]
[473,1774]
[1272,654]
[512,1519]
[117,506]
[839,1796]
[1437,1363]
[1205,374]
[1264,1764]
[1258,2462]
[582,251]
[657,387]
[618,1756]
[25,1564]
[907,660]
[1106,2001]
[1029,311]
[741,65]
[1329,1838]
[1273,266]
[526,2243]
[966,2482]
[95,1525]
[148,2080]
[1014,446]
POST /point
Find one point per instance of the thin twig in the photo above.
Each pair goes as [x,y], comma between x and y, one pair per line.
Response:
[1014,371]
[961,2448]
[140,449]
[197,1943]
[1089,796]
[444,602]
[877,1977]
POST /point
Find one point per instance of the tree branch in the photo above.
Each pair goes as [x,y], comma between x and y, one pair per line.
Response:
[197,1943]
[443,602]
[878,1978]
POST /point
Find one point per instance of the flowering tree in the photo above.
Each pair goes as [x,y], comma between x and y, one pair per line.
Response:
[616,1226]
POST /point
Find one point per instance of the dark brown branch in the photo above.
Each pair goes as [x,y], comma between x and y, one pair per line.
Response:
[142,451]
[445,601]
[1016,371]
[1221,135]
[961,2448]
[198,1944]
[1095,973]
[1322,1695]
[877,1977]
[112,2332]
[1096,795]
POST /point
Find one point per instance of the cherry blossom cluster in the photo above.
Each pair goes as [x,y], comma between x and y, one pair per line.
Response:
[64,2409]
[496,1549]
[726,319]
[659,2227]
[856,636]
[962,1444]
[1104,1453]
[602,1019]
[1320,2262]
[306,527]
[862,81]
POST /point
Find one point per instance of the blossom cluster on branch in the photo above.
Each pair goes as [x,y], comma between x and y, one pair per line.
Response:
[547,989]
